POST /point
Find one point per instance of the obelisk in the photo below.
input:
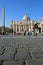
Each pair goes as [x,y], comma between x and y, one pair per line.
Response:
[3,21]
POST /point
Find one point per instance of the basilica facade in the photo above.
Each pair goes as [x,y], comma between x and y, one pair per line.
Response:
[25,25]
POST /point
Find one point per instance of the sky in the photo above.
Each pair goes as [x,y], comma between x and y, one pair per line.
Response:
[16,9]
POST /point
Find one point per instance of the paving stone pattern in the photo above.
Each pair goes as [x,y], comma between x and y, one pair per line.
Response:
[21,50]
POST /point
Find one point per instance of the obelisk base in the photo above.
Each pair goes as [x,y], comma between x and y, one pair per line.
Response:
[3,30]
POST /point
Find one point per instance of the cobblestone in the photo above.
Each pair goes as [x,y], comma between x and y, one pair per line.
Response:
[21,50]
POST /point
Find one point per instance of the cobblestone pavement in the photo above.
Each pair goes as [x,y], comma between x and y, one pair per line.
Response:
[21,50]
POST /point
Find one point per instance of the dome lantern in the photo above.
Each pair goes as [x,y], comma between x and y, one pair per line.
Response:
[26,17]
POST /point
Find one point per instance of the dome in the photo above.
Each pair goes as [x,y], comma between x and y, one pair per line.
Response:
[26,17]
[34,21]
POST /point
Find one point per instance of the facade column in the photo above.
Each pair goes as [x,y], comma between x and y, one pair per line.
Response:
[19,28]
[13,28]
[28,28]
[31,26]
[23,27]
[41,29]
[16,28]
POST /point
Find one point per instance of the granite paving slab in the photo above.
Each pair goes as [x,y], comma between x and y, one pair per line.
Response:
[22,54]
[13,63]
[34,62]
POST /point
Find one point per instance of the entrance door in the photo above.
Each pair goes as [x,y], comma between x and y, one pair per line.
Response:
[39,30]
[42,28]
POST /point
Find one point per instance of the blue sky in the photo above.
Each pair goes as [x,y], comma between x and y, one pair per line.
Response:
[16,9]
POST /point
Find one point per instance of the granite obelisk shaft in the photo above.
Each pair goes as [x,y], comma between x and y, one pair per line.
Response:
[3,21]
